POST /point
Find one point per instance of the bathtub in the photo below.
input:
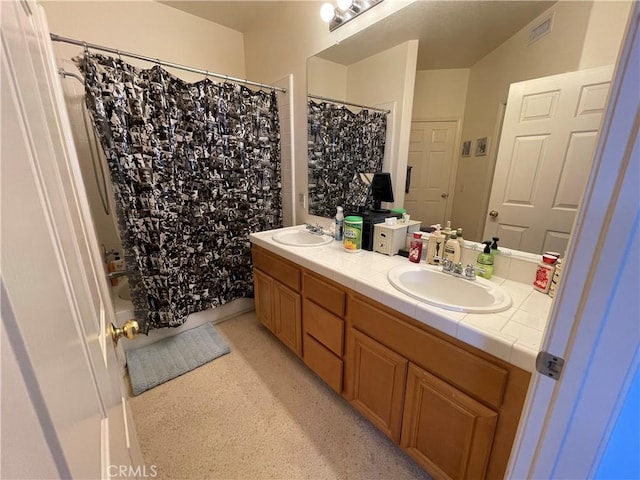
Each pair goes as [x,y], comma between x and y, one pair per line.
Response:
[122,301]
[124,311]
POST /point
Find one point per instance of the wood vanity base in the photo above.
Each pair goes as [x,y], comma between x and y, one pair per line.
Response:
[452,407]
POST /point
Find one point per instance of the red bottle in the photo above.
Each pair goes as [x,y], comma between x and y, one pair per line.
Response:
[415,250]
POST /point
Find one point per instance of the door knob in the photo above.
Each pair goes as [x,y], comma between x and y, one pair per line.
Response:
[445,195]
[493,213]
[129,330]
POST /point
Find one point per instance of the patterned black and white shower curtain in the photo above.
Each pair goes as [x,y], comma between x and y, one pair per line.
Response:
[341,144]
[195,168]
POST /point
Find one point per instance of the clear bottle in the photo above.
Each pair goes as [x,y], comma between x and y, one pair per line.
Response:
[415,249]
[339,221]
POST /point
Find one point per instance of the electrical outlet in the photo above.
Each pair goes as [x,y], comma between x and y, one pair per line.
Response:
[302,200]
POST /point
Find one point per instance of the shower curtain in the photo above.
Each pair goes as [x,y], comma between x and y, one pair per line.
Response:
[195,168]
[342,144]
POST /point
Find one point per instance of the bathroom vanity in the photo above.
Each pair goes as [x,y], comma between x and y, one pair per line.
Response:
[453,404]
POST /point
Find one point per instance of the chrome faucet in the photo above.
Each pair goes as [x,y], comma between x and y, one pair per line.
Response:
[118,274]
[470,271]
[458,270]
[314,229]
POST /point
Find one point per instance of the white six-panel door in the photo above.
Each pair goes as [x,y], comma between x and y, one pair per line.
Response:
[57,295]
[431,148]
[544,159]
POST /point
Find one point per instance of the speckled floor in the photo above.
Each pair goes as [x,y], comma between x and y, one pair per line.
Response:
[259,413]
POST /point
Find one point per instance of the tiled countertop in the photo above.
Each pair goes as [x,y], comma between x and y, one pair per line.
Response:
[514,335]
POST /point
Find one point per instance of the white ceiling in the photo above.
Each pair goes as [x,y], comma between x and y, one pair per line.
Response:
[452,34]
[238,15]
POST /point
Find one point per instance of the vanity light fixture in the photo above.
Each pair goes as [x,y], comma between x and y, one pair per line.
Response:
[344,11]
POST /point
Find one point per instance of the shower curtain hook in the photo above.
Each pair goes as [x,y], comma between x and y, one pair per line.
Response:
[86,48]
[119,56]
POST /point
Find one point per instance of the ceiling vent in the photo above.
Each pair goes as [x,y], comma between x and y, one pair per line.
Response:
[541,29]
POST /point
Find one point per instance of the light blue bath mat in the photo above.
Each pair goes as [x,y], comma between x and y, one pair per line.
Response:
[169,358]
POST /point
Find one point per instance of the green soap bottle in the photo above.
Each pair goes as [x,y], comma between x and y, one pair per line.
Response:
[485,261]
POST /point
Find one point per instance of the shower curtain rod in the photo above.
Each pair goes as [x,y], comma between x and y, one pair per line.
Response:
[58,38]
[349,103]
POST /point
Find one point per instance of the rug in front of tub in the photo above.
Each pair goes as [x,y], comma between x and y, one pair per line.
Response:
[169,358]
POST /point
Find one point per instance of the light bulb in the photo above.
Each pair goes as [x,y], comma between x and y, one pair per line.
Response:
[344,4]
[326,12]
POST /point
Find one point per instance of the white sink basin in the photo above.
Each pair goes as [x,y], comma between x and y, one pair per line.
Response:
[301,238]
[429,285]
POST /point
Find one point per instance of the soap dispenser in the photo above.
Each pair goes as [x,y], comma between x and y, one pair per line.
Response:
[446,231]
[435,247]
[452,248]
[485,261]
[494,246]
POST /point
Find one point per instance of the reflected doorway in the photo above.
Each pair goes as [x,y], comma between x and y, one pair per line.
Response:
[431,153]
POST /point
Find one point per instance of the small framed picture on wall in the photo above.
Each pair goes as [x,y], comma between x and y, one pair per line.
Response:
[466,148]
[482,145]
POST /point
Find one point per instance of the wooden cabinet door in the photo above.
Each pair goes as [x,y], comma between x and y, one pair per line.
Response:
[378,378]
[287,317]
[449,433]
[263,293]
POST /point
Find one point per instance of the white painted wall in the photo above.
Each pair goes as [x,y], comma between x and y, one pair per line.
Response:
[606,28]
[440,94]
[387,80]
[285,116]
[327,78]
[147,28]
[559,51]
[287,50]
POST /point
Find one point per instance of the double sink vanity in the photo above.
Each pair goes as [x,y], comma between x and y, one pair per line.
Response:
[448,382]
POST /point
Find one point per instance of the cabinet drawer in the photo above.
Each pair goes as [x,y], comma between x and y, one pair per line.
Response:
[323,362]
[323,326]
[277,268]
[476,376]
[328,296]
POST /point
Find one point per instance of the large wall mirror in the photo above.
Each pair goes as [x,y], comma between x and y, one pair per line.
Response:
[465,57]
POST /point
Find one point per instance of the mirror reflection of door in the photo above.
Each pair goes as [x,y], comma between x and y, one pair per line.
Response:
[431,155]
[546,150]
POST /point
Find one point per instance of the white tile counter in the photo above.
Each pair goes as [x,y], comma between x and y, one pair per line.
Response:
[514,335]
